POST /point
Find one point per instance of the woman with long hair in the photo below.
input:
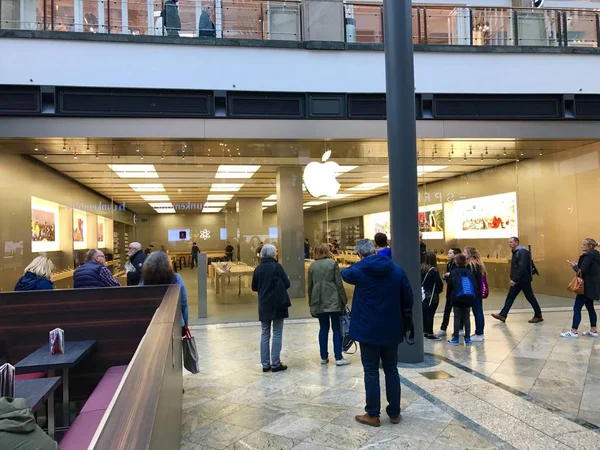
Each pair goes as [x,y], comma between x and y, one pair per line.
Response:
[589,266]
[476,265]
[432,286]
[158,270]
[327,299]
[37,276]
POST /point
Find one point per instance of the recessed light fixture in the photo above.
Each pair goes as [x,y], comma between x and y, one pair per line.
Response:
[367,186]
[134,170]
[219,197]
[165,210]
[225,187]
[161,205]
[427,169]
[214,204]
[211,210]
[315,203]
[271,197]
[236,171]
[306,207]
[156,198]
[337,197]
[268,204]
[36,148]
[344,169]
[147,187]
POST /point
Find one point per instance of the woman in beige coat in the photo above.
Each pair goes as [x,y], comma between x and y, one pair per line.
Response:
[327,300]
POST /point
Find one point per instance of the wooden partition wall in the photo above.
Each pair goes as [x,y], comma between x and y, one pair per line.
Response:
[117,318]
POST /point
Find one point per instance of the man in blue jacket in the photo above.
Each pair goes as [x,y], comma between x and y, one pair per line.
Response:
[382,292]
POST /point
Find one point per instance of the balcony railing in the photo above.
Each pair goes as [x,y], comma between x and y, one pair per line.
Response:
[301,21]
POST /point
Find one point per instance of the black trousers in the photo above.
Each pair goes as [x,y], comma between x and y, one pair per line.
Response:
[428,315]
[447,311]
[462,315]
[529,295]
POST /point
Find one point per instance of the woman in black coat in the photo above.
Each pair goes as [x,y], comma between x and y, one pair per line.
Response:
[432,286]
[589,265]
[271,283]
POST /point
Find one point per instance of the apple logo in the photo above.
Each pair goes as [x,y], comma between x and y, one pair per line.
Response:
[537,3]
[320,178]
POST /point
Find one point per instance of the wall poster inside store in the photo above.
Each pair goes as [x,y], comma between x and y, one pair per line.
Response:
[79,230]
[101,228]
[44,225]
[431,221]
[377,223]
[489,217]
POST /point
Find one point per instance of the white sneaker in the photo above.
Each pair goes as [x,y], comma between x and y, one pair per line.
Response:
[343,362]
[461,333]
[590,333]
[477,338]
[324,361]
[441,333]
[569,334]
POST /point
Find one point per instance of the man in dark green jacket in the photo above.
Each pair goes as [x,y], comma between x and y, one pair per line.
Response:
[18,429]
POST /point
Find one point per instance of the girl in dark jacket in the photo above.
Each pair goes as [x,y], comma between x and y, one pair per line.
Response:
[589,265]
[432,286]
[476,265]
[271,282]
[37,276]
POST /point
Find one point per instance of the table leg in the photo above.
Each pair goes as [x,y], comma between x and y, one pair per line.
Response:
[240,286]
[222,284]
[217,282]
[66,409]
[50,416]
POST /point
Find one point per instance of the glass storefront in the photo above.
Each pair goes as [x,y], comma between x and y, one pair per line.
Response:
[63,197]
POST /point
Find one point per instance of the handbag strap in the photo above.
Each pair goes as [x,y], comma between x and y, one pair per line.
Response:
[426,275]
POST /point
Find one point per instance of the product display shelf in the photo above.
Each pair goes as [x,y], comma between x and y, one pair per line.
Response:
[62,275]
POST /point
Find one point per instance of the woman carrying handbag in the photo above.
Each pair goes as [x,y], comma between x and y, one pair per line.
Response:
[431,288]
[587,287]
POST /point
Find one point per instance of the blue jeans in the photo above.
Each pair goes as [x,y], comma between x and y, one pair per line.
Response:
[194,260]
[269,357]
[580,301]
[478,315]
[324,320]
[370,356]
[514,291]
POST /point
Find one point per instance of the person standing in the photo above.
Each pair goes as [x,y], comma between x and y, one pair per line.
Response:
[327,299]
[170,18]
[476,265]
[229,251]
[382,294]
[521,276]
[451,264]
[589,266]
[422,247]
[463,290]
[432,286]
[307,249]
[271,282]
[37,276]
[206,27]
[195,253]
[149,249]
[381,241]
[94,273]
[136,259]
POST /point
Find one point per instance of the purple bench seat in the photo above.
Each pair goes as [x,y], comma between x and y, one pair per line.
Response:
[82,431]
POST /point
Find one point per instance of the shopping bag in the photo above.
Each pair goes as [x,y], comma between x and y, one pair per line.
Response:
[347,342]
[576,285]
[190,352]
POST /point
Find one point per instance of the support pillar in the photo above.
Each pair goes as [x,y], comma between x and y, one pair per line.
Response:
[249,229]
[290,221]
[402,156]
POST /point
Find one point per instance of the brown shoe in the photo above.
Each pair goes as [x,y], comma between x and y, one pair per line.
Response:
[536,319]
[395,420]
[365,419]
[499,317]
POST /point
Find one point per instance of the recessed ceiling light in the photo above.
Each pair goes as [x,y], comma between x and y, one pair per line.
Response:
[214,204]
[236,171]
[271,197]
[156,198]
[211,210]
[337,197]
[344,169]
[225,187]
[367,186]
[315,203]
[157,187]
[267,204]
[427,169]
[219,197]
[161,205]
[306,207]
[264,207]
[134,170]
[165,210]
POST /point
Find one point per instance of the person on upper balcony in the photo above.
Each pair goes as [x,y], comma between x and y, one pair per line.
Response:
[170,18]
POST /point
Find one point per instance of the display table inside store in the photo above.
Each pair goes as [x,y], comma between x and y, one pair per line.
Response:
[223,271]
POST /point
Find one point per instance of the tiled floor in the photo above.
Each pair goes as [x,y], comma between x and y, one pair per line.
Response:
[231,404]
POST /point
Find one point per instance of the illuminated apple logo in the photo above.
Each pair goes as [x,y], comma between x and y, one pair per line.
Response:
[320,178]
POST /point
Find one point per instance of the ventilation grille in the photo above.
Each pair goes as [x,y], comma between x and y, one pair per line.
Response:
[366,106]
[587,107]
[20,100]
[135,103]
[497,107]
[271,105]
[326,106]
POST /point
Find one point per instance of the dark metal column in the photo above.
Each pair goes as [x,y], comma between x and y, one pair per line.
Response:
[402,154]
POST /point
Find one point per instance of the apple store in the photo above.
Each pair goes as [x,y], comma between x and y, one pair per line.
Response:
[63,197]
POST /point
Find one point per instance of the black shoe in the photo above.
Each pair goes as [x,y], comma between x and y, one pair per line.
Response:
[433,337]
[267,369]
[536,319]
[279,368]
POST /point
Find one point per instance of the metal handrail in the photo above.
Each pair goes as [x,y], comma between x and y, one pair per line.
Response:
[290,20]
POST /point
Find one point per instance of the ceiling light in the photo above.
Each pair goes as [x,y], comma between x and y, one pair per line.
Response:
[165,210]
[344,169]
[271,197]
[426,169]
[236,171]
[267,204]
[264,207]
[225,187]
[147,187]
[161,205]
[217,198]
[214,204]
[211,210]
[315,203]
[134,170]
[337,196]
[156,198]
[97,156]
[367,186]
[36,148]
[306,207]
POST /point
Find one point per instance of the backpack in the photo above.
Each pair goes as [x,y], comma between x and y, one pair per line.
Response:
[463,289]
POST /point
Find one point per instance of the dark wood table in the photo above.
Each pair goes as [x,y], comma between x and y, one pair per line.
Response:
[38,392]
[42,361]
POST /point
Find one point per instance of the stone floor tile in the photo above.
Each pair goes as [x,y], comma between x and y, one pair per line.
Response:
[294,427]
[347,420]
[185,445]
[320,412]
[253,418]
[305,391]
[423,409]
[393,442]
[218,435]
[413,428]
[521,367]
[566,399]
[581,440]
[590,415]
[311,446]
[213,409]
[458,436]
[239,379]
[207,389]
[523,384]
[342,438]
[339,396]
[262,440]
[244,396]
[191,423]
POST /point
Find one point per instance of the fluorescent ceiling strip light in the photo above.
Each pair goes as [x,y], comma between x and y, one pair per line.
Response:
[165,210]
[161,205]
[267,204]
[156,198]
[271,197]
[306,207]
[236,171]
[344,169]
[214,204]
[134,170]
[147,187]
[337,197]
[226,187]
[425,169]
[136,174]
[211,210]
[218,198]
[316,203]
[367,186]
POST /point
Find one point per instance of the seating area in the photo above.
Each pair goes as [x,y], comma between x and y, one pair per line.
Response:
[132,341]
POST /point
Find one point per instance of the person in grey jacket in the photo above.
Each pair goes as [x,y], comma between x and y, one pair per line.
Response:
[206,27]
[18,428]
[170,17]
[327,299]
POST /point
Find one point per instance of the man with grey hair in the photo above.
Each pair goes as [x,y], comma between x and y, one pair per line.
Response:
[94,273]
[136,258]
[381,295]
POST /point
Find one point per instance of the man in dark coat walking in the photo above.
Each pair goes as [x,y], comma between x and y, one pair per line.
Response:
[170,17]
